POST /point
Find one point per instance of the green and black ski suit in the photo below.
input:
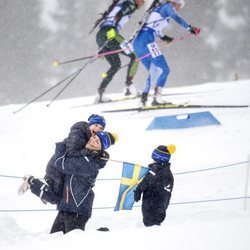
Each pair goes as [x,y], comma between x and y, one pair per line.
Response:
[116,19]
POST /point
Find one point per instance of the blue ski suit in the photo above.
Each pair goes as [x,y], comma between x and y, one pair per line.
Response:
[157,66]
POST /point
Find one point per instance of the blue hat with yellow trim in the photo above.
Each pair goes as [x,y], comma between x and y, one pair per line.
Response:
[163,153]
[107,139]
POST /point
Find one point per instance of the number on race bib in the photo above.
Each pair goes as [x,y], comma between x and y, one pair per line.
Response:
[154,50]
[127,47]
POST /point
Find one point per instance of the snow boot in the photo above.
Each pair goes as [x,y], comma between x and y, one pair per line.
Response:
[103,229]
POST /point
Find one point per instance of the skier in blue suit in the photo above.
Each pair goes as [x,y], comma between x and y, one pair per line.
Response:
[144,44]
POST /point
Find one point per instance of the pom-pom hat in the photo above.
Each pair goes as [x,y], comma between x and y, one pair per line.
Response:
[107,139]
[163,153]
[97,119]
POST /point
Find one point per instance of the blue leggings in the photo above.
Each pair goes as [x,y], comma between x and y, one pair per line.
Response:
[157,67]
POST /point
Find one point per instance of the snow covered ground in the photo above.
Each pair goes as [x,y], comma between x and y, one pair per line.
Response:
[197,219]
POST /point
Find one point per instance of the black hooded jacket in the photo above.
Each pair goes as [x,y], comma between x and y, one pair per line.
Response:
[80,172]
[75,142]
[156,188]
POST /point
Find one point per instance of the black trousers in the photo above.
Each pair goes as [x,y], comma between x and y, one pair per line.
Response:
[114,59]
[66,222]
[153,213]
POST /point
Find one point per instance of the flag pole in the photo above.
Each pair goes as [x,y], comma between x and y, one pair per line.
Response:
[118,161]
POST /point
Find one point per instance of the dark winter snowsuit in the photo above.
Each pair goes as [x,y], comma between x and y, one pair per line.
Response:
[156,187]
[51,191]
[80,171]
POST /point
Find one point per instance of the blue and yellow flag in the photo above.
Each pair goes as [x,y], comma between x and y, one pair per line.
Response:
[132,174]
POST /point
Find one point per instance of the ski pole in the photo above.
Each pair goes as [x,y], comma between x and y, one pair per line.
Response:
[132,37]
[143,20]
[74,74]
[57,63]
[178,39]
[91,59]
[60,92]
[44,93]
[159,42]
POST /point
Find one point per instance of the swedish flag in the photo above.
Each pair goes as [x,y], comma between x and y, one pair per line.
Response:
[132,174]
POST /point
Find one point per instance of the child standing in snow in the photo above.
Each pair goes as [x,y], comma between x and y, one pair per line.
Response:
[80,171]
[156,187]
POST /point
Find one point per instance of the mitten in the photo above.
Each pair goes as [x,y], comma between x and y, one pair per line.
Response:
[111,34]
[137,195]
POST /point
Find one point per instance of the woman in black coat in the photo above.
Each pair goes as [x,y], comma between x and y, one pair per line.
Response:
[156,187]
[80,170]
[78,137]
[79,134]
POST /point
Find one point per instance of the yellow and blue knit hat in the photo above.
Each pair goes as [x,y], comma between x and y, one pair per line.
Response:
[163,153]
[107,139]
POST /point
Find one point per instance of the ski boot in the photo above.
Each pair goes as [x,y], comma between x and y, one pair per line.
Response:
[27,179]
[144,98]
[100,97]
[157,98]
[130,89]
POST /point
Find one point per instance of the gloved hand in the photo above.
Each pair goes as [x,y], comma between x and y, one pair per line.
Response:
[111,34]
[104,155]
[167,39]
[49,181]
[194,30]
[97,155]
[137,195]
[100,157]
[93,154]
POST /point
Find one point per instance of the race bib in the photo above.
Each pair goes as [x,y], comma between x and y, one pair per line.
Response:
[154,50]
[127,47]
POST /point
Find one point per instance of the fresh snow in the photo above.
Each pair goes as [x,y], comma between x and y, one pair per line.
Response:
[28,139]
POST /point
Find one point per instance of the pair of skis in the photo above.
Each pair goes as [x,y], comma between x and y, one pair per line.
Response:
[138,95]
[162,106]
[173,106]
